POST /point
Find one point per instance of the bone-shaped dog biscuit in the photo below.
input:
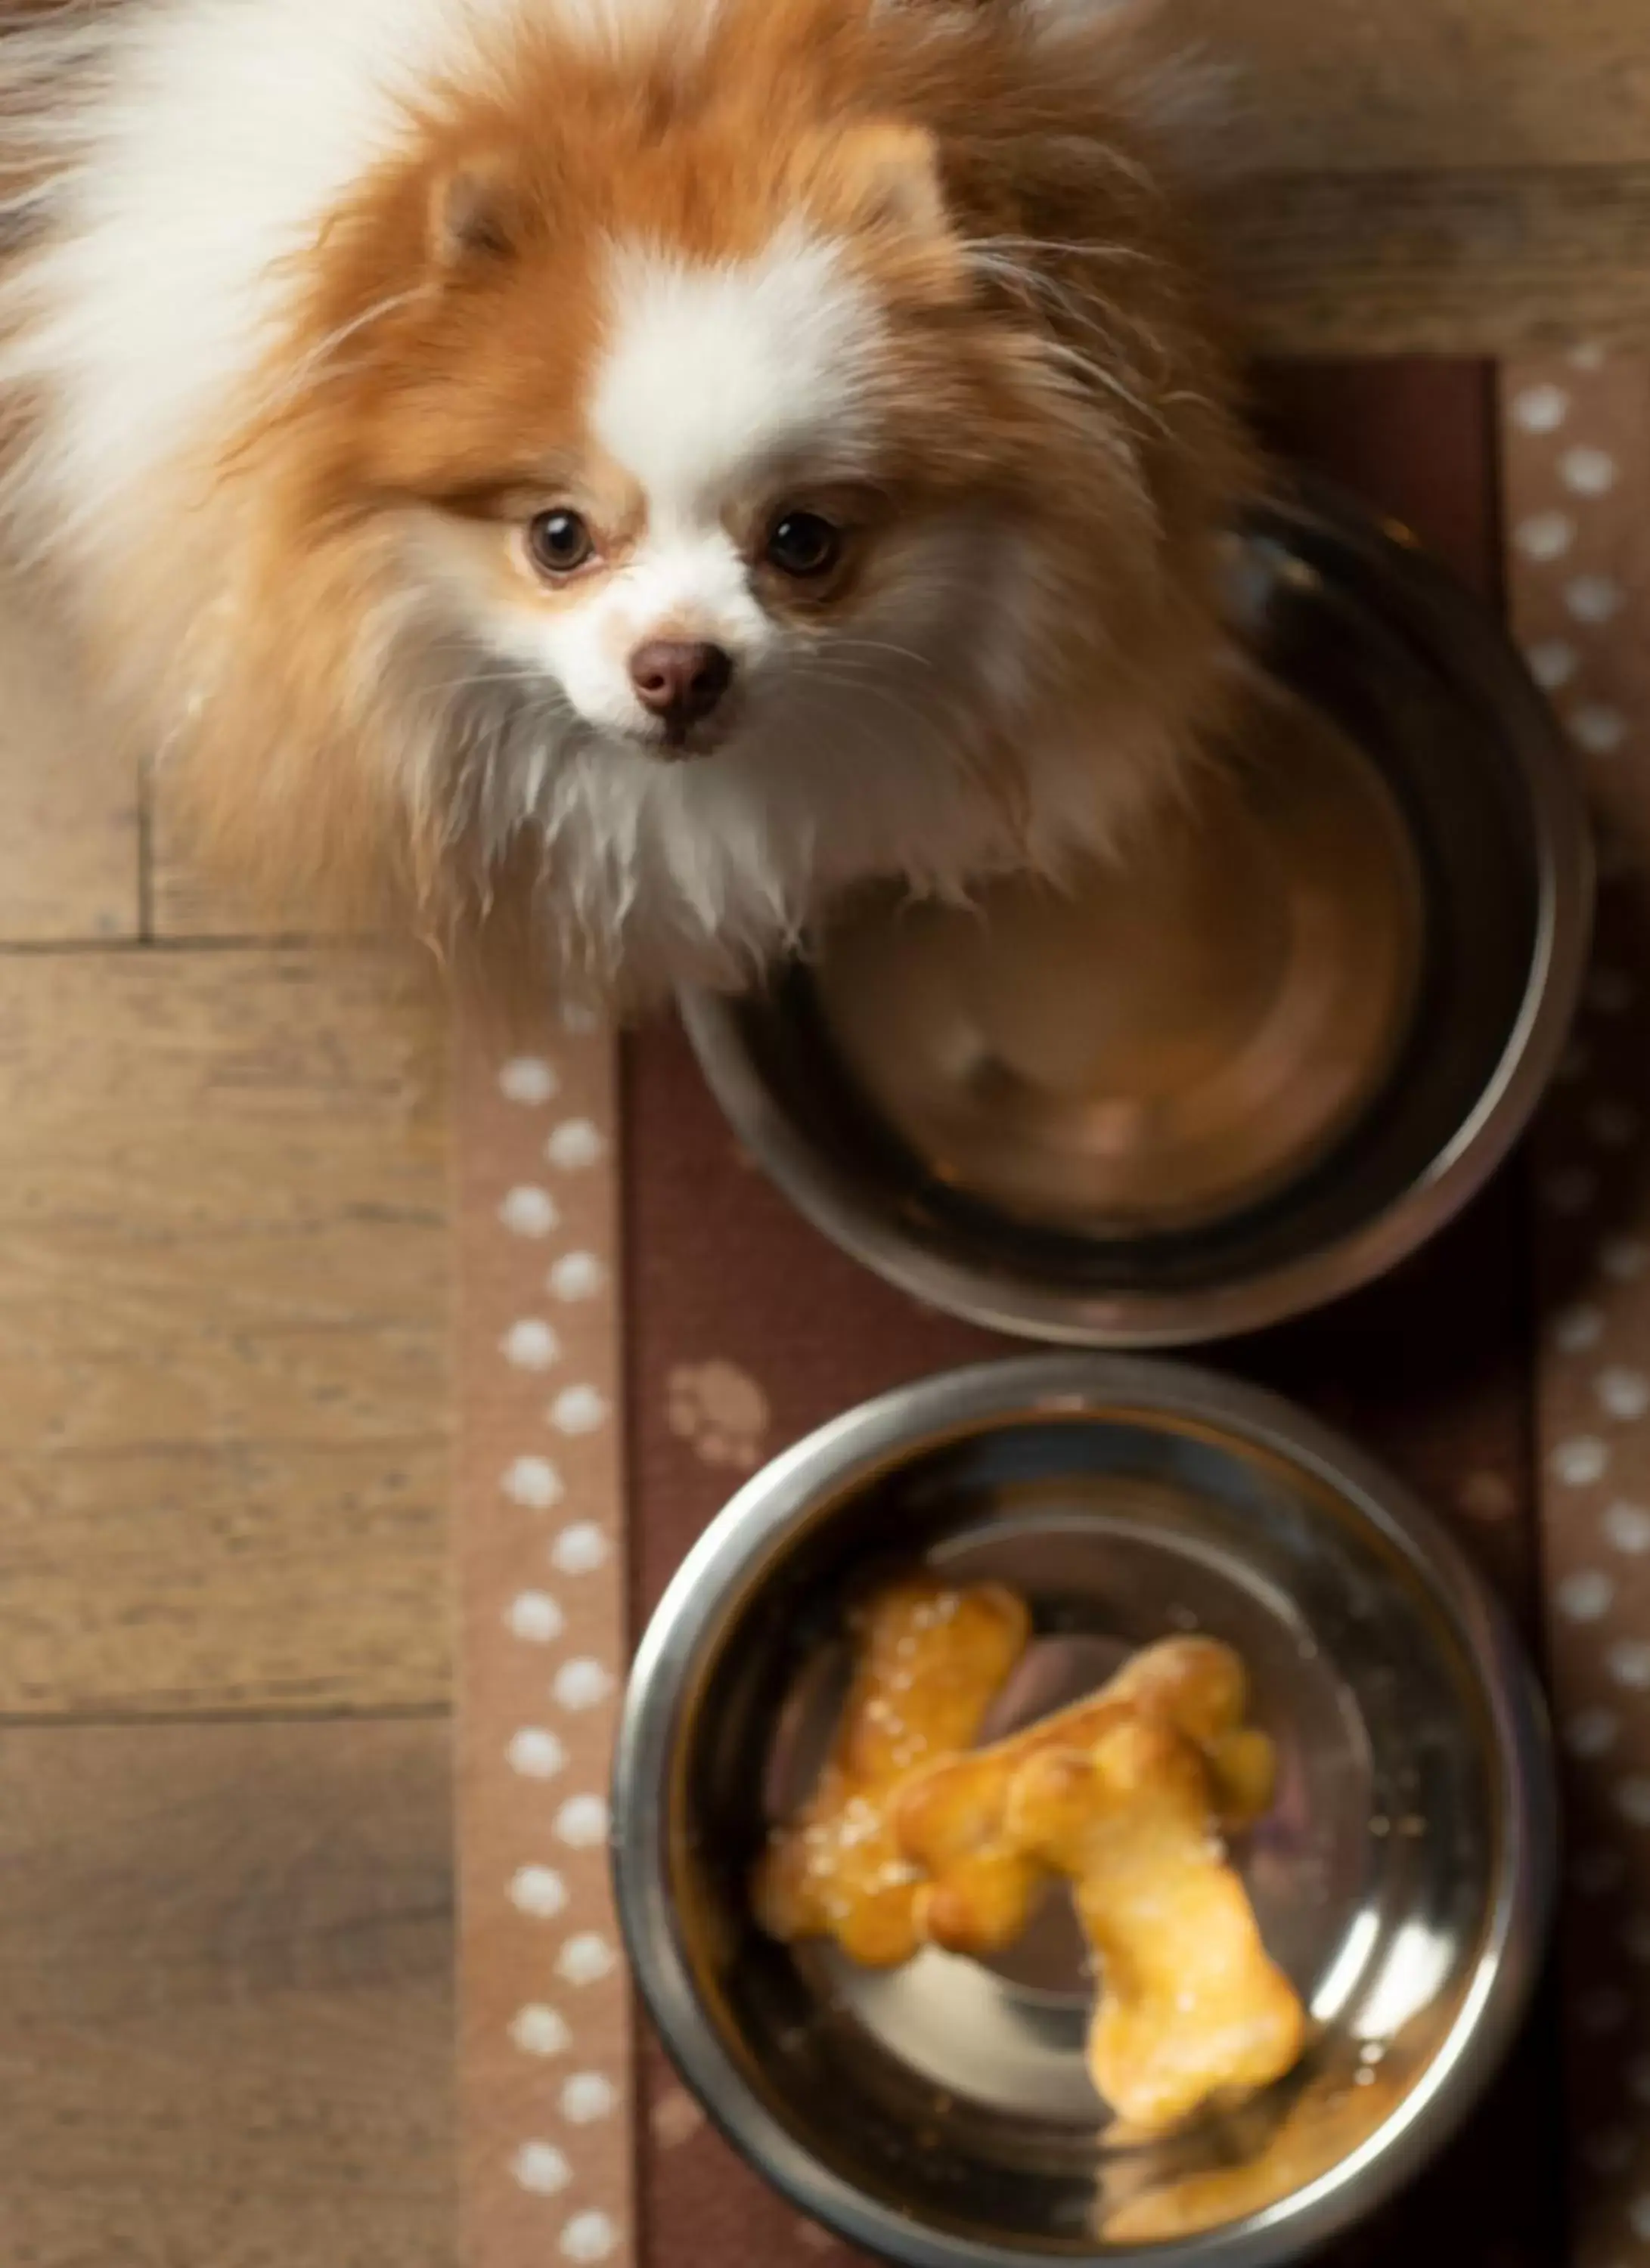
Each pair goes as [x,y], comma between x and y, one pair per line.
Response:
[928,1659]
[948,1817]
[1328,2122]
[1190,2007]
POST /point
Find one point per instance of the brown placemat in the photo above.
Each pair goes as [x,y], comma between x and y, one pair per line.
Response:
[1577,446]
[743,1329]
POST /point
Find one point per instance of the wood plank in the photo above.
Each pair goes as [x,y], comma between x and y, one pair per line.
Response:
[224,1964]
[1359,86]
[224,1361]
[1451,176]
[1492,262]
[69,849]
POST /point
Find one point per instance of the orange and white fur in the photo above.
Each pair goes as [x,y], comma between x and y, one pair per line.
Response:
[656,462]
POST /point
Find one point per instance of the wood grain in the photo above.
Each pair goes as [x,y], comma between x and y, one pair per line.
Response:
[1493,262]
[224,1965]
[1448,177]
[1361,86]
[224,1361]
[68,844]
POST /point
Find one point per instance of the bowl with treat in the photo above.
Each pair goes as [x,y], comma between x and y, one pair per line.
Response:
[1259,1057]
[1080,1807]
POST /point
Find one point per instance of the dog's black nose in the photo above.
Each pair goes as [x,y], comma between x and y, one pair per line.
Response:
[679,680]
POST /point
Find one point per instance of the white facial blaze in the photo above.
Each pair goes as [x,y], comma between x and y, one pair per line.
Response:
[711,370]
[710,375]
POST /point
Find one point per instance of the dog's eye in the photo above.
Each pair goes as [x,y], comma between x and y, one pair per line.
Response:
[800,543]
[559,542]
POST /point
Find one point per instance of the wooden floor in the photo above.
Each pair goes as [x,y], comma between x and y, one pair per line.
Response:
[225,1879]
[225,1872]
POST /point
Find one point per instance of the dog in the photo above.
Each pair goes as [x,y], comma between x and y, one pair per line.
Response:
[655,464]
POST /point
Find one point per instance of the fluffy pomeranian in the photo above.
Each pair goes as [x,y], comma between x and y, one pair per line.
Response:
[653,461]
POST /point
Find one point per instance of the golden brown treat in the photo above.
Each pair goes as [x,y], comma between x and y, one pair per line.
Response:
[929,1661]
[1190,2007]
[1331,2118]
[948,1818]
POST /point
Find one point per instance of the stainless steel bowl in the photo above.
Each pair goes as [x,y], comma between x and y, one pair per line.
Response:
[940,2114]
[1358,985]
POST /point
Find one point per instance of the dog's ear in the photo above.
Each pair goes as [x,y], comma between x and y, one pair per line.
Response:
[895,178]
[474,213]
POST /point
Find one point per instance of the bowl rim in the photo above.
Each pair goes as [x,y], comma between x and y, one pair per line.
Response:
[833,1200]
[848,1452]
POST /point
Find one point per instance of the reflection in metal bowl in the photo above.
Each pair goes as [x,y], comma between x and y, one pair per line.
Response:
[941,2113]
[1165,1039]
[1262,1060]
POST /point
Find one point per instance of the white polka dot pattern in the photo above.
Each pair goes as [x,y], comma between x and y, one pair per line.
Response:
[582,1822]
[1626,1526]
[527,1210]
[531,1345]
[1587,472]
[1622,1392]
[576,1143]
[1586,1595]
[539,1891]
[588,2096]
[587,1959]
[534,1481]
[1552,662]
[540,2031]
[536,1753]
[1575,1330]
[579,1276]
[1577,440]
[582,1683]
[579,1409]
[528,1079]
[1541,408]
[589,2236]
[546,2082]
[542,2166]
[581,1548]
[1597,729]
[535,1616]
[1595,598]
[1546,536]
[1580,1461]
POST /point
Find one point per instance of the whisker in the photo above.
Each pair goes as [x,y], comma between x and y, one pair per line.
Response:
[854,645]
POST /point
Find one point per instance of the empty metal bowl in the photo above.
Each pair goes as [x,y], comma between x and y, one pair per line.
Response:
[940,2113]
[1258,1059]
